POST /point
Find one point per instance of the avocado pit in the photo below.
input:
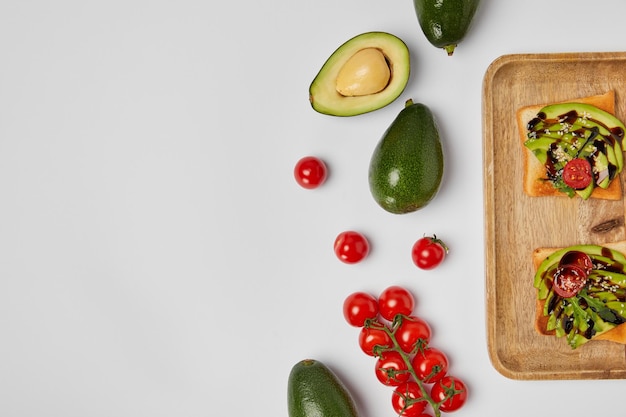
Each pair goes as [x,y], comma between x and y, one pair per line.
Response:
[364,73]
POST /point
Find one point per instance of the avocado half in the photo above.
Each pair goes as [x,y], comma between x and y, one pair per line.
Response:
[364,74]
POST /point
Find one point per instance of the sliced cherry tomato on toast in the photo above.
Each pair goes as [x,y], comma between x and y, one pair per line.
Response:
[578,258]
[569,280]
[577,173]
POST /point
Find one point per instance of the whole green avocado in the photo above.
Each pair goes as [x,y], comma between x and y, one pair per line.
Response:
[313,390]
[445,22]
[407,165]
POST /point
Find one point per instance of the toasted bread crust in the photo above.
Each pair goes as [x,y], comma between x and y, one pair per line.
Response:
[535,180]
[617,334]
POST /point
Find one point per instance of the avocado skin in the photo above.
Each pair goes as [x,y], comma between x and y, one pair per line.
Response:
[407,164]
[445,22]
[313,390]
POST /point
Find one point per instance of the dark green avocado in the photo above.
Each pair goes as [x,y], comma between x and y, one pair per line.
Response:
[364,74]
[407,165]
[445,22]
[313,390]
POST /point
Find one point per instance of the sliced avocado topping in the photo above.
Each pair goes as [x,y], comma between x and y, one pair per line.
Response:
[364,74]
[565,131]
[601,170]
[585,193]
[597,308]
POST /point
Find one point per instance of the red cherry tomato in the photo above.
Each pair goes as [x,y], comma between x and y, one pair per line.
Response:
[351,247]
[451,392]
[391,369]
[428,252]
[369,338]
[310,172]
[359,307]
[413,333]
[569,280]
[404,400]
[430,365]
[578,258]
[577,173]
[395,300]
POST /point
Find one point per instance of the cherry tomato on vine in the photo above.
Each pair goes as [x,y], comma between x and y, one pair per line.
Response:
[429,252]
[430,365]
[395,300]
[413,333]
[310,172]
[372,337]
[351,247]
[391,369]
[405,400]
[451,392]
[359,307]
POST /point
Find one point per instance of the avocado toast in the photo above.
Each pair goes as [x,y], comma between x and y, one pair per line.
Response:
[556,135]
[597,310]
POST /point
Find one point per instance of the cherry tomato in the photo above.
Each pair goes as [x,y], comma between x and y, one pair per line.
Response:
[451,392]
[569,280]
[372,337]
[578,258]
[359,307]
[413,333]
[310,172]
[395,300]
[428,252]
[577,173]
[405,400]
[391,369]
[430,365]
[351,247]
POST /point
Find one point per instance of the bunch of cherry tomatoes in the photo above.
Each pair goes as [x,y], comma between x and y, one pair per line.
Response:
[400,342]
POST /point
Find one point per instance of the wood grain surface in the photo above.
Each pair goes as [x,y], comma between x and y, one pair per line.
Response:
[516,224]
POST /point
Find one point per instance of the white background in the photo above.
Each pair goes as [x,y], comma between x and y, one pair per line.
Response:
[156,255]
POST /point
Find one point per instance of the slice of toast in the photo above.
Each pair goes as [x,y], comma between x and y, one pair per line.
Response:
[535,180]
[617,334]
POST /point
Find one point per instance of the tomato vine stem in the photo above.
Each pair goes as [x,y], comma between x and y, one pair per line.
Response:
[391,332]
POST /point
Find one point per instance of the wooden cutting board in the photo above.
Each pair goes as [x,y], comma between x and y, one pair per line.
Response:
[516,224]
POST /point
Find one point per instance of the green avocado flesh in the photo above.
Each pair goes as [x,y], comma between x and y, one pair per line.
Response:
[563,132]
[313,390]
[407,164]
[373,67]
[597,308]
[445,22]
